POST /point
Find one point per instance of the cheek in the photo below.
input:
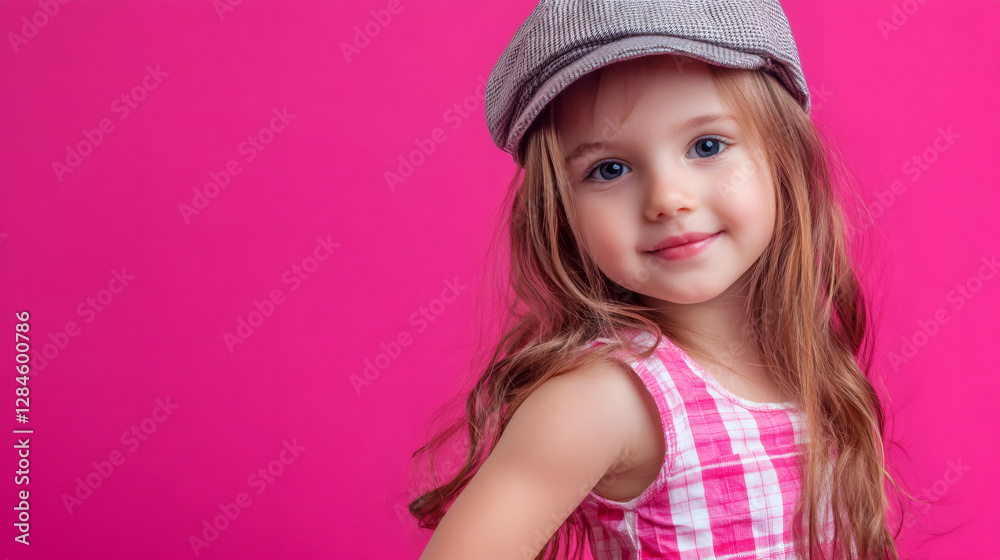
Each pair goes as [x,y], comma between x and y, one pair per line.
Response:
[604,230]
[759,210]
[747,194]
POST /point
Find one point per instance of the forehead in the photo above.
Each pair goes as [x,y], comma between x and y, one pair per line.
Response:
[670,87]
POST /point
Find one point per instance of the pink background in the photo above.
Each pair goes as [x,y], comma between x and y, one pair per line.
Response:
[884,95]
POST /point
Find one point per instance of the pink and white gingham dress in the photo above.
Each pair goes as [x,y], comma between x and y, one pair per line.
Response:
[729,481]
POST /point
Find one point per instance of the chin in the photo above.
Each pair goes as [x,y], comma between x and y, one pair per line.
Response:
[692,300]
[686,298]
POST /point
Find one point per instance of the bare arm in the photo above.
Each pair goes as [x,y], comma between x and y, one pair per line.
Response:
[558,444]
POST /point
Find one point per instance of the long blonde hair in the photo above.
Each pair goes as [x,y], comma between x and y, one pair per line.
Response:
[808,317]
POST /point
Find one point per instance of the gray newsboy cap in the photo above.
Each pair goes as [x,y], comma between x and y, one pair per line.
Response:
[563,40]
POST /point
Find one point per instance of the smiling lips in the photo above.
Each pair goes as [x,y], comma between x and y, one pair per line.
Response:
[683,246]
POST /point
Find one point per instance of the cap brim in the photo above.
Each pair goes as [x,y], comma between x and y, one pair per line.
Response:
[624,49]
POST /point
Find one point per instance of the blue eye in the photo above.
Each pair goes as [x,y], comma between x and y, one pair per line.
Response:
[709,146]
[704,148]
[612,166]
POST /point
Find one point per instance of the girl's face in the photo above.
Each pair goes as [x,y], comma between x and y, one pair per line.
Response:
[674,164]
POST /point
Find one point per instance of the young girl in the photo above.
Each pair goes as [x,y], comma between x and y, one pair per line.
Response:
[681,373]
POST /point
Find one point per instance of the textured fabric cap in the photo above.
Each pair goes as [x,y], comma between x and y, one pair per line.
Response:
[562,40]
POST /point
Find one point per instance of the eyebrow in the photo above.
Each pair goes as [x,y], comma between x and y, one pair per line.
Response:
[587,147]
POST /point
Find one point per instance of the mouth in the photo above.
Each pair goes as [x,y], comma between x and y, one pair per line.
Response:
[683,246]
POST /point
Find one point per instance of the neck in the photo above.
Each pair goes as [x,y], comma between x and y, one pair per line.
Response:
[720,323]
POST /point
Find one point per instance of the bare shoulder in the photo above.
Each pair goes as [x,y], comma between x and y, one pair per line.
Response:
[607,400]
[584,404]
[567,435]
[629,403]
[604,406]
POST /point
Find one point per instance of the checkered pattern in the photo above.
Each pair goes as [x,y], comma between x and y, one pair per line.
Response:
[729,481]
[562,40]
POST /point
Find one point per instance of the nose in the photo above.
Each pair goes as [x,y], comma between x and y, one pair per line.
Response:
[669,194]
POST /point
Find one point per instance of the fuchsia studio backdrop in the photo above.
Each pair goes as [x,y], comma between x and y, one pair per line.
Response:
[195,214]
